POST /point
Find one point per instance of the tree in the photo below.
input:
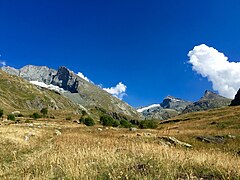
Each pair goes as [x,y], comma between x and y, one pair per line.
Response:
[44,111]
[1,113]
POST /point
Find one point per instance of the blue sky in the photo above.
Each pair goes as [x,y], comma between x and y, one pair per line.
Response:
[143,43]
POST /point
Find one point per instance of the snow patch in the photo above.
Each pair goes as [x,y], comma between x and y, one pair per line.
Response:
[50,86]
[148,107]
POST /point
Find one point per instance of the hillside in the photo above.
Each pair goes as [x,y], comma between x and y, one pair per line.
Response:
[78,90]
[18,94]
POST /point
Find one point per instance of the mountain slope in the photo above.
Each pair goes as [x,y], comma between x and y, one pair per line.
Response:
[18,94]
[170,107]
[210,100]
[77,89]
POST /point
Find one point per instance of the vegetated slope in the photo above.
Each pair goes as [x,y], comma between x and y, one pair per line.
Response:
[210,100]
[219,120]
[78,90]
[18,94]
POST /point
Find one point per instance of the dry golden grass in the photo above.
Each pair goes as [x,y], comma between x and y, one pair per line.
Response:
[86,153]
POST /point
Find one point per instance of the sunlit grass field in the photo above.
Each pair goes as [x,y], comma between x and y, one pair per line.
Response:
[81,152]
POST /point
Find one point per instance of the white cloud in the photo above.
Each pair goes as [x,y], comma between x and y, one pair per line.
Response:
[214,65]
[117,91]
[82,76]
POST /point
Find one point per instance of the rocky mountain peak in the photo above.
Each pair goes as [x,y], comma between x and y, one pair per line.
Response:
[65,79]
[210,95]
[236,100]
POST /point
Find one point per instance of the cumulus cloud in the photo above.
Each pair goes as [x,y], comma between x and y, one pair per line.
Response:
[214,65]
[82,76]
[118,91]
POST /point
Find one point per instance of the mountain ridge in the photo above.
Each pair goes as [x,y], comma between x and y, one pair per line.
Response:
[78,89]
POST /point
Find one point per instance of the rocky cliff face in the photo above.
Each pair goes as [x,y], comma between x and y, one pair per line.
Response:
[210,100]
[32,73]
[236,100]
[77,89]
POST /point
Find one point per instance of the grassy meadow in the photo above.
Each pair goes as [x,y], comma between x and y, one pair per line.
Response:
[38,151]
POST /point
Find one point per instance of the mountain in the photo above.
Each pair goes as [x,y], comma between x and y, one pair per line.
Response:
[18,94]
[76,89]
[236,100]
[210,100]
[170,107]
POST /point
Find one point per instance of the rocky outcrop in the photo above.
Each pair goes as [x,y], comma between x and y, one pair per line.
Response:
[210,100]
[170,107]
[66,79]
[236,100]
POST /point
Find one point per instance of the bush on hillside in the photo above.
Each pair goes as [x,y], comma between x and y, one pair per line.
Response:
[88,121]
[115,123]
[35,115]
[126,124]
[68,118]
[148,124]
[44,111]
[109,121]
[11,117]
[1,113]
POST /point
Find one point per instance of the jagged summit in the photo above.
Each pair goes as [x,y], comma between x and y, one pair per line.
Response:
[211,95]
[210,100]
[169,107]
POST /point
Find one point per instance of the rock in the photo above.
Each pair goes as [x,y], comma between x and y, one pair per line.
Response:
[147,134]
[16,112]
[76,121]
[26,138]
[99,129]
[174,141]
[211,139]
[231,136]
[57,132]
[133,129]
[138,134]
[236,100]
[31,125]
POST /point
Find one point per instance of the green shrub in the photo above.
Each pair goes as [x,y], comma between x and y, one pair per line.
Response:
[82,120]
[115,123]
[1,113]
[126,124]
[68,118]
[35,115]
[134,122]
[11,117]
[28,121]
[19,115]
[148,124]
[84,113]
[44,111]
[106,120]
[88,121]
